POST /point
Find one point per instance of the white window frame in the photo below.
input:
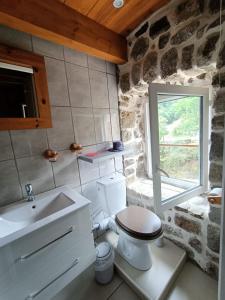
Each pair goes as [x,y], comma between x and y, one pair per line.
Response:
[148,149]
[152,136]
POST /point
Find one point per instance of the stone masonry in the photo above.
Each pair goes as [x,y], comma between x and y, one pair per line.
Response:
[180,44]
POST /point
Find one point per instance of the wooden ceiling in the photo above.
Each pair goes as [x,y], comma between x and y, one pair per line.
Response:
[122,20]
[91,26]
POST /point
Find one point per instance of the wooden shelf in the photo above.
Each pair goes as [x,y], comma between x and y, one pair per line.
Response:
[101,156]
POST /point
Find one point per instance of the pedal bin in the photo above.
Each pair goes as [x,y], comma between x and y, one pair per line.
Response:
[104,267]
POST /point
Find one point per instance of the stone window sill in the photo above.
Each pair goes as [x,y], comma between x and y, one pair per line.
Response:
[140,192]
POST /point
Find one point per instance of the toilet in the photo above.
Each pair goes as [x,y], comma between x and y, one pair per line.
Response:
[137,226]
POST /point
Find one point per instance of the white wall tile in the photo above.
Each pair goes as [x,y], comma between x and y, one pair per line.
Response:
[106,167]
[102,125]
[10,190]
[79,86]
[75,57]
[61,136]
[65,169]
[15,38]
[37,171]
[29,142]
[47,48]
[57,83]
[113,93]
[99,89]
[83,122]
[88,171]
[97,64]
[110,68]
[5,145]
[115,124]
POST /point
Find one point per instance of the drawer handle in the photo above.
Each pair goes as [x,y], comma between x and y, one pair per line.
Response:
[35,294]
[29,255]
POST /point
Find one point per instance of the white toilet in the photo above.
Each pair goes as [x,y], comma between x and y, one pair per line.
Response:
[137,225]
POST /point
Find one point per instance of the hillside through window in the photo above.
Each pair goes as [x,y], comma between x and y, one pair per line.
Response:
[179,140]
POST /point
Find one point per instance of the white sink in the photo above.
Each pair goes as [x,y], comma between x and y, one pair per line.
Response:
[20,219]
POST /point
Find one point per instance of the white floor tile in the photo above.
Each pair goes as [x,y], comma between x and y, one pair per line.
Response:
[124,292]
[85,288]
[193,284]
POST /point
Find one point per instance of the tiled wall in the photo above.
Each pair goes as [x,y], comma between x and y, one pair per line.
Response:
[84,106]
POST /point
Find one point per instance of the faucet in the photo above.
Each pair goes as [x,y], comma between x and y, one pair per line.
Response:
[29,190]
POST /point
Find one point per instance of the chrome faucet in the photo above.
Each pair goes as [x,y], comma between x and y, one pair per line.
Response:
[29,190]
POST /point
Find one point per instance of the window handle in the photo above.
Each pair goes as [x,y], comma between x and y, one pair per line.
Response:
[164,172]
[23,110]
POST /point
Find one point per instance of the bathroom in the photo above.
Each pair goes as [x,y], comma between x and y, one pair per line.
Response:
[88,96]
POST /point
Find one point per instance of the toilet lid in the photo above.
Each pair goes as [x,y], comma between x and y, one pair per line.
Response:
[139,223]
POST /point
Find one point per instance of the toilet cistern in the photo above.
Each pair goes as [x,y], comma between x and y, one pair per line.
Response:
[29,191]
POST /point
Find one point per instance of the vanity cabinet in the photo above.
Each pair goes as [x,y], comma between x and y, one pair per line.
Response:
[40,264]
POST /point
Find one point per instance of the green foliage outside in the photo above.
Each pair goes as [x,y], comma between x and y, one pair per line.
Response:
[179,124]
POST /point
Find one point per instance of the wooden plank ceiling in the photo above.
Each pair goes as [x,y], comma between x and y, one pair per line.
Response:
[92,26]
[122,20]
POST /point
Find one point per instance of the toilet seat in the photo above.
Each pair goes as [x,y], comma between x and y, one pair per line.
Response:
[139,223]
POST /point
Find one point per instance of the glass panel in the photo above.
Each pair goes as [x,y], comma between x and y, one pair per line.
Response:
[18,95]
[179,143]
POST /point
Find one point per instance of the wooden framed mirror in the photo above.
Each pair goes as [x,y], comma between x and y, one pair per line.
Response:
[24,96]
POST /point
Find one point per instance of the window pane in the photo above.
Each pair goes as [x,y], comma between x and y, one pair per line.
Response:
[18,95]
[179,141]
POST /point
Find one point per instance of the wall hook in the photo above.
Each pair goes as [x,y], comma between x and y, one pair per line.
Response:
[77,148]
[51,155]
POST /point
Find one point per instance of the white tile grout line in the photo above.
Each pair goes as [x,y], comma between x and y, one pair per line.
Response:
[130,282]
[116,289]
[71,113]
[16,165]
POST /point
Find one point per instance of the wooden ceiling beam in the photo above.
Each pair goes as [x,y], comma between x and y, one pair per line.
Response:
[53,21]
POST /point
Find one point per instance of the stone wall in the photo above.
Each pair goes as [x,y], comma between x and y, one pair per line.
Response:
[180,44]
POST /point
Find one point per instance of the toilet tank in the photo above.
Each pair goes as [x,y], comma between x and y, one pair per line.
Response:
[111,192]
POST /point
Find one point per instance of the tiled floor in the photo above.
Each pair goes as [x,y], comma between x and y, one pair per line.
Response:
[86,288]
[124,292]
[192,284]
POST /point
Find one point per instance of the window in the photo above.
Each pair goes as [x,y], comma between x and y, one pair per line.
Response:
[177,143]
[24,90]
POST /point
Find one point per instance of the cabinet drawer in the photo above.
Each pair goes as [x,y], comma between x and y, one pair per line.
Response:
[36,260]
[57,282]
[77,224]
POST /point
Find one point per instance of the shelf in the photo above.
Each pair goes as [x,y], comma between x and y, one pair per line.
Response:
[101,156]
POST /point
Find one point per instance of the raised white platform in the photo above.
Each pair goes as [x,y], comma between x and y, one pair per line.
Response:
[155,283]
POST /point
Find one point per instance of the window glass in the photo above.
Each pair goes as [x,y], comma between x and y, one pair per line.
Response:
[179,128]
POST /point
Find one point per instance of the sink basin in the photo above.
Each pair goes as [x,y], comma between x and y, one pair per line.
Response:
[37,210]
[17,220]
